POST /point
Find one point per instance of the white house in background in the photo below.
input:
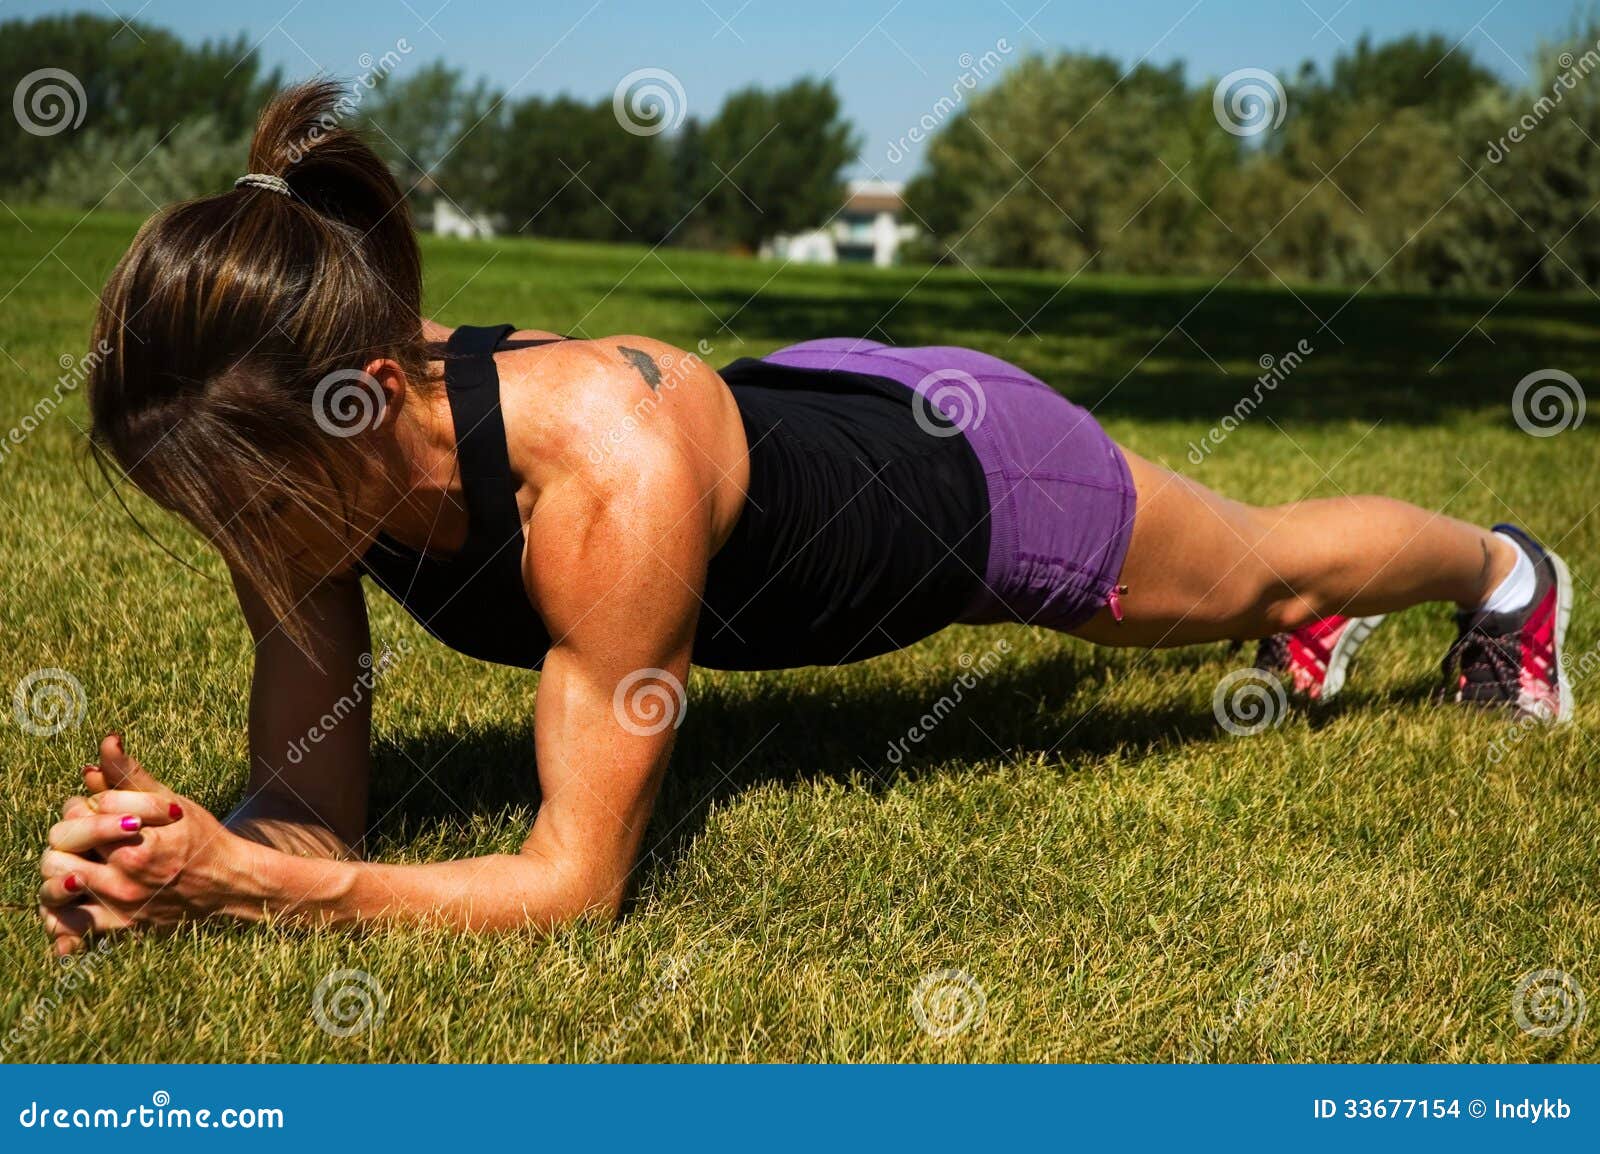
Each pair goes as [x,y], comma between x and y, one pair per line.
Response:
[867,230]
[448,220]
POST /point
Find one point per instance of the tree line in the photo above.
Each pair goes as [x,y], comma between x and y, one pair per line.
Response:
[163,120]
[1407,164]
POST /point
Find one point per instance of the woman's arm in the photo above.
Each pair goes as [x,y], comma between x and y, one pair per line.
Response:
[307,792]
[616,562]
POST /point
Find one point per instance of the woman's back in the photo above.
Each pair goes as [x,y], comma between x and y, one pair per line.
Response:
[859,532]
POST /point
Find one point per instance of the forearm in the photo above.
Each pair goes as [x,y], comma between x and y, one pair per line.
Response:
[498,892]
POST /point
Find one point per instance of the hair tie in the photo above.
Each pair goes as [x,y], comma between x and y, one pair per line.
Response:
[264,180]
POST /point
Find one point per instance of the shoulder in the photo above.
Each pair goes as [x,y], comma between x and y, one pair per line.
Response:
[627,360]
[582,399]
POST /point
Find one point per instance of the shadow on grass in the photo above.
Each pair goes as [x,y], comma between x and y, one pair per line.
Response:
[1119,348]
[808,728]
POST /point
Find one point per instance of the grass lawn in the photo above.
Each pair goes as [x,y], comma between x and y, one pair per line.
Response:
[1115,876]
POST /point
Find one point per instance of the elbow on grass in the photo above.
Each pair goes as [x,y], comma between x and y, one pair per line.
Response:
[563,897]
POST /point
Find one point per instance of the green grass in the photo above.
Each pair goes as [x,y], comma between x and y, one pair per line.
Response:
[1123,879]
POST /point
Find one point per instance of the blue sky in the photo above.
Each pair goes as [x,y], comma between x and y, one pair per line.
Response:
[890,61]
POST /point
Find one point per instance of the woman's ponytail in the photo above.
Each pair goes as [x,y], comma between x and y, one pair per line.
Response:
[301,136]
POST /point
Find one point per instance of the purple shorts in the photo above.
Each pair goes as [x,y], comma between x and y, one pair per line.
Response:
[1061,498]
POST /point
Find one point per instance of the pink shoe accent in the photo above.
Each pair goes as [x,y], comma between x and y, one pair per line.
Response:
[1538,678]
[1315,658]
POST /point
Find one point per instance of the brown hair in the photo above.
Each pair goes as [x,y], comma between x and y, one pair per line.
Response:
[225,315]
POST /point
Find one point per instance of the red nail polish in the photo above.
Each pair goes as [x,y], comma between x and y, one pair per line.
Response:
[116,737]
[71,883]
[174,811]
[131,823]
[88,769]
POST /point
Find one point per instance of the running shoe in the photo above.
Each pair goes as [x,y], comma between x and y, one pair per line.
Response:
[1512,660]
[1315,659]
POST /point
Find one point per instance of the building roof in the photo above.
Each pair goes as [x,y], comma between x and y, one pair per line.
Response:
[871,196]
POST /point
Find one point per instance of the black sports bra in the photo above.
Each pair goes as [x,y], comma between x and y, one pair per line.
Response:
[859,535]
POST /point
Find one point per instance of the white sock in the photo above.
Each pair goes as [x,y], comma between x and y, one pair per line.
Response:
[1516,591]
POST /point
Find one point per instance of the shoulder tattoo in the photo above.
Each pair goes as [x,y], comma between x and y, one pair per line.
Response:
[646,366]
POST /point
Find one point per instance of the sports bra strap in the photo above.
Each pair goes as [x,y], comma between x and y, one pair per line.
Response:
[477,340]
[473,385]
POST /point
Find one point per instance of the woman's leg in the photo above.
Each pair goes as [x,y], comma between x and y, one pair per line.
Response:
[1201,567]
